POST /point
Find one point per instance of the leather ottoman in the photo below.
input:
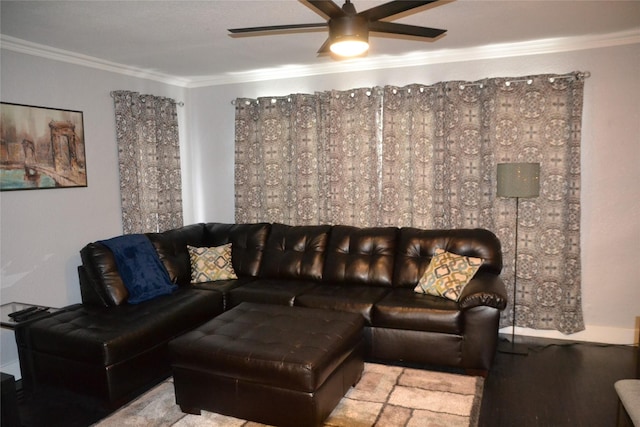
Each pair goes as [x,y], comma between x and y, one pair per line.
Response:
[278,365]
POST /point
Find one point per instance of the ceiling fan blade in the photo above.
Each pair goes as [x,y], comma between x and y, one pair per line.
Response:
[327,7]
[325,47]
[392,8]
[275,28]
[409,30]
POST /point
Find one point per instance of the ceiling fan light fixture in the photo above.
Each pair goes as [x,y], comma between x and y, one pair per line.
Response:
[349,47]
[349,29]
[349,36]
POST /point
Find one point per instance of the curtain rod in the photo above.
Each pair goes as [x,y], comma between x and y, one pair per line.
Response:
[179,104]
[580,75]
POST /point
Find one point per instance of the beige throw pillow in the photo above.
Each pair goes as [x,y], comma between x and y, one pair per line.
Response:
[448,274]
[211,264]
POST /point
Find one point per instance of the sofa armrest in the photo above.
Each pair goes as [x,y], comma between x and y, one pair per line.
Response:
[484,289]
[89,292]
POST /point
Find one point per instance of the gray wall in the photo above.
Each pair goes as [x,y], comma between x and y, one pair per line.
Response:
[610,162]
[41,231]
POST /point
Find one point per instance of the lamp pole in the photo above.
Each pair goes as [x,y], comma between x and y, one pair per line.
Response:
[517,180]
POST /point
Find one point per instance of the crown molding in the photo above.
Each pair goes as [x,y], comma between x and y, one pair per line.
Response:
[48,52]
[494,51]
[413,59]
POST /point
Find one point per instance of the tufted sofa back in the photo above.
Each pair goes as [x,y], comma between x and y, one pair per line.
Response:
[342,255]
[172,248]
[100,281]
[248,243]
[361,255]
[416,247]
[295,252]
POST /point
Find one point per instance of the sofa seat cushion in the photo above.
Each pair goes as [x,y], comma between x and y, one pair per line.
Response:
[225,286]
[269,291]
[405,309]
[354,299]
[105,336]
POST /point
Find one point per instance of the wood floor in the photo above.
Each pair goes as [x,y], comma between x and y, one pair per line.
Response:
[557,384]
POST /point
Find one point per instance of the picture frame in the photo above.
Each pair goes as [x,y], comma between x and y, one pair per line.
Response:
[41,148]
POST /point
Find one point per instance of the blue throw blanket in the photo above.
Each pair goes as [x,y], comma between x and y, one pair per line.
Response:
[140,267]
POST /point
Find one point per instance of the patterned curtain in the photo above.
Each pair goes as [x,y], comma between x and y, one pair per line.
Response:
[308,159]
[425,156]
[538,119]
[267,158]
[410,130]
[149,162]
[350,167]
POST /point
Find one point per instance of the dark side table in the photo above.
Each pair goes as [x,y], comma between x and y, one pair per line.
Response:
[8,322]
[9,401]
[9,404]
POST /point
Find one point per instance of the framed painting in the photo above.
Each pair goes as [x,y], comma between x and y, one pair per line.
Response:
[40,148]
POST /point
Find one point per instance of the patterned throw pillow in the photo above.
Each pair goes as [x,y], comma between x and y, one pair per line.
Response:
[211,264]
[448,274]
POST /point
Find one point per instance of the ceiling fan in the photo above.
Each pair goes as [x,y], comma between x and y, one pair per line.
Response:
[349,30]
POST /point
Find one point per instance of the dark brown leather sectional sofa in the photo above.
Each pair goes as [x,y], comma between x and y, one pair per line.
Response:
[114,350]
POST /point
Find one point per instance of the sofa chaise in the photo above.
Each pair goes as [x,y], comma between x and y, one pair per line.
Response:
[114,350]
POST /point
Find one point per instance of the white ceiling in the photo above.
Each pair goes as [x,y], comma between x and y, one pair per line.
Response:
[189,39]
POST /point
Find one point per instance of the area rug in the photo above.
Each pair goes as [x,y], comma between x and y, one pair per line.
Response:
[386,396]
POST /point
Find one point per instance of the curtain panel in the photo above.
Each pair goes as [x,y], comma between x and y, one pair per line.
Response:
[149,162]
[349,153]
[425,156]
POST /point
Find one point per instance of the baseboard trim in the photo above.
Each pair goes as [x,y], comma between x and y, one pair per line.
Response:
[597,334]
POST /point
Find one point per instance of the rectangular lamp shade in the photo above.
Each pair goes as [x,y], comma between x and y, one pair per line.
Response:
[518,179]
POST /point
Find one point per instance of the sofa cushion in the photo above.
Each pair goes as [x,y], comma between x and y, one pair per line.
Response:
[354,299]
[248,243]
[405,309]
[171,246]
[447,275]
[416,247]
[211,264]
[295,252]
[363,256]
[101,275]
[109,335]
[269,291]
[225,287]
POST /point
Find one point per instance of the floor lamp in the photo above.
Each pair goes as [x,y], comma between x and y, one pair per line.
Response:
[517,180]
